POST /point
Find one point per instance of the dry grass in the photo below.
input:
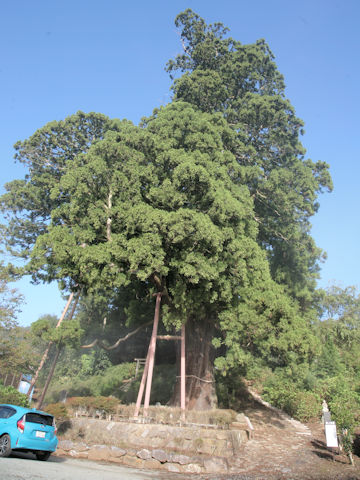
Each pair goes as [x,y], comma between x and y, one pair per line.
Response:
[85,406]
[172,415]
[109,407]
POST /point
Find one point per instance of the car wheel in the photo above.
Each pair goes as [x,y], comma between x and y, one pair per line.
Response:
[5,445]
[43,456]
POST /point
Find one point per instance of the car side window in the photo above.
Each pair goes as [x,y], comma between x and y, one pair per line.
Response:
[7,412]
[38,418]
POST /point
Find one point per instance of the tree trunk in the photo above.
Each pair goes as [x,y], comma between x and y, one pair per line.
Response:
[200,355]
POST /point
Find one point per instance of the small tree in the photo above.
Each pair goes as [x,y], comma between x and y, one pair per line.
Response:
[12,396]
[344,404]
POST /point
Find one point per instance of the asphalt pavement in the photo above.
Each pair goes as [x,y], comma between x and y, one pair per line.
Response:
[24,467]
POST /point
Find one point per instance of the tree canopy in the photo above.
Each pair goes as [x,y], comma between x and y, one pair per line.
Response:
[242,82]
[27,205]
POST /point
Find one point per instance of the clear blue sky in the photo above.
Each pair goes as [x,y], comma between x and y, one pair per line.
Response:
[58,57]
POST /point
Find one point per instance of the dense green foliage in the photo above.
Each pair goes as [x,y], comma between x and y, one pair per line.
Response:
[118,381]
[46,153]
[11,396]
[10,301]
[16,352]
[68,333]
[172,216]
[334,373]
[219,74]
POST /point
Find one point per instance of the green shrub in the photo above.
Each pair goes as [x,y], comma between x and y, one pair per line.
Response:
[305,406]
[94,363]
[344,405]
[59,411]
[61,415]
[280,392]
[12,396]
[110,382]
[107,404]
[283,392]
[343,401]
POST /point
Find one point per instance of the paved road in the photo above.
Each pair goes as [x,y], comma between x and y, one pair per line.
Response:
[24,467]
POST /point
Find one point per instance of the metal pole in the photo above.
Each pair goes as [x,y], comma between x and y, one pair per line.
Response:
[182,373]
[152,348]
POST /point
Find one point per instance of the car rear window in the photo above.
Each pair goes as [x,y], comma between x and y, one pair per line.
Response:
[38,418]
[6,412]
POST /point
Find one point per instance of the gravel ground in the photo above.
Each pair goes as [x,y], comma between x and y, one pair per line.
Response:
[283,448]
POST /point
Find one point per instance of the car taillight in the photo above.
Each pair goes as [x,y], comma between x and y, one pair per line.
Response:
[21,425]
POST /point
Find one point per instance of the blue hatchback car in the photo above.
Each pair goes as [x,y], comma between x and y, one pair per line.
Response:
[26,430]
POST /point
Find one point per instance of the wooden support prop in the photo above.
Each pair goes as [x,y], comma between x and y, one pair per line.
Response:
[182,373]
[149,365]
[152,349]
[142,386]
[169,337]
[144,378]
[139,361]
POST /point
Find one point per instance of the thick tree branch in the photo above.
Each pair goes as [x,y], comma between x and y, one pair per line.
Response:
[116,344]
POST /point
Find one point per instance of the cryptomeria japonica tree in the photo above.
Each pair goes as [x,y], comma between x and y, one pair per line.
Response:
[207,202]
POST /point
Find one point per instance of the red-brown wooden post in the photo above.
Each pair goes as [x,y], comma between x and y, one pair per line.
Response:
[142,386]
[152,349]
[182,373]
[144,378]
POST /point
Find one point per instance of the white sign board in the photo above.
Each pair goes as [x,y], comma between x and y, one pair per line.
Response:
[330,433]
[24,386]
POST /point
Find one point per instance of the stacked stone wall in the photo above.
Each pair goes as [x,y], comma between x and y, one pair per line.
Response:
[151,446]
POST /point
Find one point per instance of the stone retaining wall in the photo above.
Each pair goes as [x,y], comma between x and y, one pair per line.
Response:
[149,446]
